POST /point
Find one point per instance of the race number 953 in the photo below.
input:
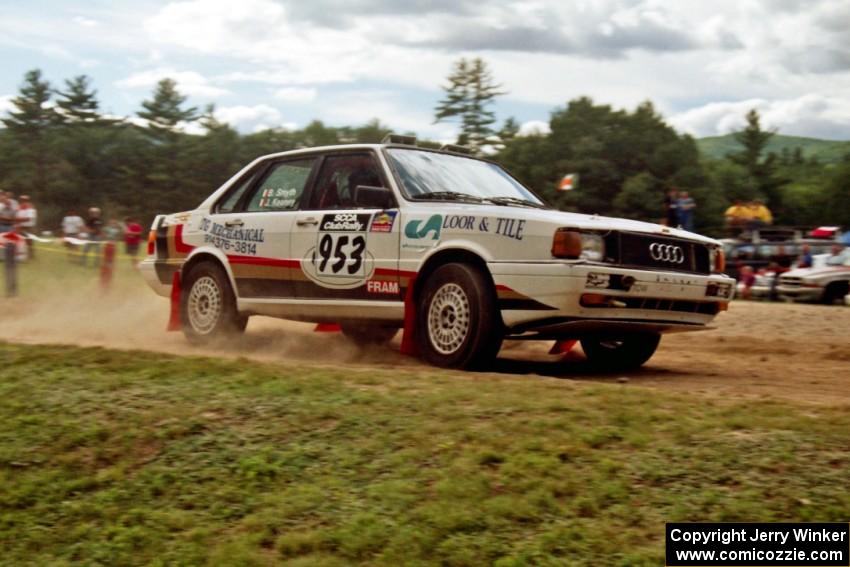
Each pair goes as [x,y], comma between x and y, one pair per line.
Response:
[340,255]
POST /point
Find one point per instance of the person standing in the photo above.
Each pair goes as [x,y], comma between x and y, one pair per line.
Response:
[72,224]
[671,207]
[686,206]
[26,219]
[805,260]
[7,213]
[94,230]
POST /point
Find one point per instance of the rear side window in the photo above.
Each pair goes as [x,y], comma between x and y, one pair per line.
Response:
[282,187]
[228,205]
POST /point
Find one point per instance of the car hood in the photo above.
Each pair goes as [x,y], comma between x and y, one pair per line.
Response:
[561,219]
[815,272]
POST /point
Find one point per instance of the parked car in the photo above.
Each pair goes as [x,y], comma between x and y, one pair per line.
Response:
[376,237]
[827,281]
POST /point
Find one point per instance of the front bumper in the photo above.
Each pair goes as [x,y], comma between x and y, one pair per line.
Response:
[148,268]
[655,300]
[800,293]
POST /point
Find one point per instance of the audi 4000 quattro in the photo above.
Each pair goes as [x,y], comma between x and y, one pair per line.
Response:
[451,248]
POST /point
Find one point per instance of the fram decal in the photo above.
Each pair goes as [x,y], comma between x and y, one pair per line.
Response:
[375,286]
[383,221]
[345,222]
[419,229]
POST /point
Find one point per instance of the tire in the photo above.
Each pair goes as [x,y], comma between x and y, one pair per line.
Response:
[620,353]
[835,292]
[208,305]
[365,334]
[458,324]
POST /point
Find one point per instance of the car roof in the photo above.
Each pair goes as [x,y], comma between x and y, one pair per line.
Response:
[349,147]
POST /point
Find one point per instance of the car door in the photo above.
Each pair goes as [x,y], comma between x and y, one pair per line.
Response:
[253,225]
[347,253]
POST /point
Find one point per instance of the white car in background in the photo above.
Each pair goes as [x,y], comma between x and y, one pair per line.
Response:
[376,237]
[827,281]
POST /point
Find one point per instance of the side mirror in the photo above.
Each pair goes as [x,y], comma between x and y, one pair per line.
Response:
[370,197]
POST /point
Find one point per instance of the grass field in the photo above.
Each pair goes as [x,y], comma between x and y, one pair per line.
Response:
[118,457]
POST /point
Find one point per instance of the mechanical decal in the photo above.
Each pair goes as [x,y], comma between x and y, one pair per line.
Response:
[237,240]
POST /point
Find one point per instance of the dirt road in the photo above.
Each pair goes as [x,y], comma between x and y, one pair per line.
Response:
[758,350]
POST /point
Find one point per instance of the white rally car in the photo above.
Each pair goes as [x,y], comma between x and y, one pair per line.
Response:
[376,237]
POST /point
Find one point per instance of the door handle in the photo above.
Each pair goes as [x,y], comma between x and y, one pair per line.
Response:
[307,222]
[236,222]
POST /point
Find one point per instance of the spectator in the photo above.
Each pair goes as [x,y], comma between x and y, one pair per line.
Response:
[26,219]
[94,233]
[686,206]
[132,238]
[760,215]
[837,257]
[805,260]
[72,225]
[12,200]
[7,213]
[748,280]
[737,215]
[671,207]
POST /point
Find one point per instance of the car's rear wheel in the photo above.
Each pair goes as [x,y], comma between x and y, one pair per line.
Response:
[458,323]
[625,352]
[208,305]
[368,334]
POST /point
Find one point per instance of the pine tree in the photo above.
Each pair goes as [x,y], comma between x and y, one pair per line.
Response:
[469,95]
[78,103]
[164,112]
[763,172]
[29,126]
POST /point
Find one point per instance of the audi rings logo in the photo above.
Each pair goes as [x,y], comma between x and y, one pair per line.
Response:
[666,253]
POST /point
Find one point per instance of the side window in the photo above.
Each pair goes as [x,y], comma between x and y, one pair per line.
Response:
[338,178]
[228,204]
[282,188]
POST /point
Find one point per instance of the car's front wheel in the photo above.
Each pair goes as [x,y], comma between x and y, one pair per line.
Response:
[626,352]
[458,323]
[208,305]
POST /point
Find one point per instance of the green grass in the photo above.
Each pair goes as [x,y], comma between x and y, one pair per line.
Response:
[111,457]
[827,151]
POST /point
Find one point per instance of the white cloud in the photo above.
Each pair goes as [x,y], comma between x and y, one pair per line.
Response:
[6,104]
[252,118]
[85,22]
[534,128]
[188,82]
[808,115]
[295,94]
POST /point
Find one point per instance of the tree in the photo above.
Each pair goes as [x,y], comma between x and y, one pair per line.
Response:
[164,112]
[763,172]
[469,95]
[29,126]
[78,103]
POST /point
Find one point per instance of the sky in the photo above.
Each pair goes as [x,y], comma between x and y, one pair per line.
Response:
[280,63]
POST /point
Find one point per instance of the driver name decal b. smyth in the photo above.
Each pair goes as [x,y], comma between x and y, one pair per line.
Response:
[418,229]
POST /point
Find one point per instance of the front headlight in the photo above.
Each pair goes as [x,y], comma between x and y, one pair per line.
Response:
[575,245]
[592,247]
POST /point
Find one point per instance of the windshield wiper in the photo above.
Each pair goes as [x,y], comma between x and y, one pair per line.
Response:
[447,196]
[514,201]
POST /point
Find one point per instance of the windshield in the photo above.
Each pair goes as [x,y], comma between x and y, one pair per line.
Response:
[432,175]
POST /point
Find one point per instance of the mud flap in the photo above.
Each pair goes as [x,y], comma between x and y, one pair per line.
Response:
[408,337]
[327,328]
[174,317]
[562,347]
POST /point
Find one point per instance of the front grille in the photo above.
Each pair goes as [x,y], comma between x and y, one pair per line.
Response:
[633,249]
[790,282]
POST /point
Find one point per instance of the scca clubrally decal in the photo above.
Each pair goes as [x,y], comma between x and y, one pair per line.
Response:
[345,222]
